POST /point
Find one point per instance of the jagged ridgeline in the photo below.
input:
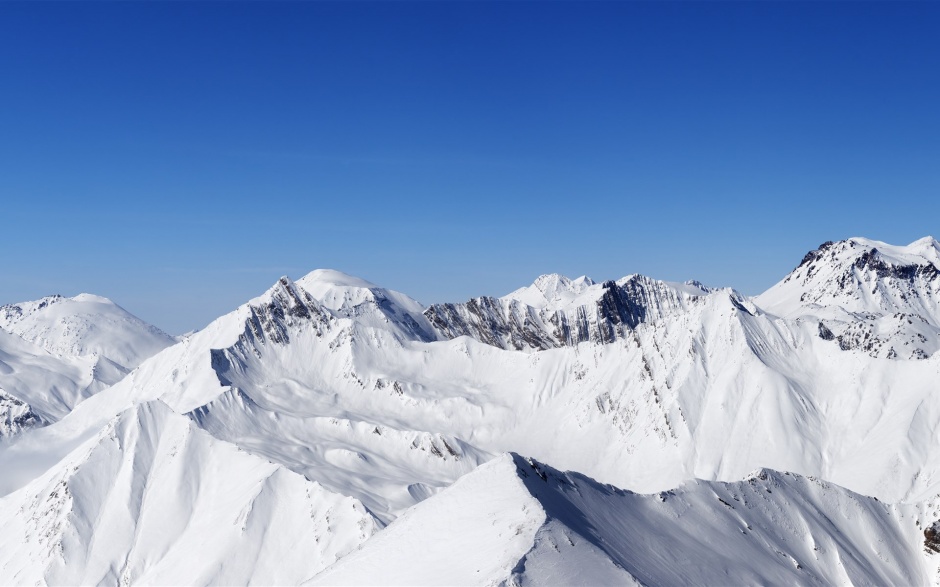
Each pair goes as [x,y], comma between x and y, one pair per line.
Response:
[556,312]
[335,432]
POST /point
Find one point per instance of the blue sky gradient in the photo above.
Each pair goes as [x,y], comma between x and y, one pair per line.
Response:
[179,157]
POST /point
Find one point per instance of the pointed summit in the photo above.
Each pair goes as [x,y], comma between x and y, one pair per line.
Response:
[551,290]
[868,295]
[863,276]
[353,297]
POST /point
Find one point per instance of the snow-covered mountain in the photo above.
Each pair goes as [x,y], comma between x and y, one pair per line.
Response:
[86,325]
[867,295]
[35,387]
[151,499]
[556,311]
[638,383]
[523,523]
[57,351]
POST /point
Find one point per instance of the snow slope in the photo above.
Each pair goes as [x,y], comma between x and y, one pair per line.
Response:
[867,295]
[257,377]
[712,391]
[57,351]
[153,500]
[337,389]
[523,523]
[86,325]
[642,384]
[36,387]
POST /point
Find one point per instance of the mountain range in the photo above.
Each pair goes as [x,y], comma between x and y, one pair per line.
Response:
[629,431]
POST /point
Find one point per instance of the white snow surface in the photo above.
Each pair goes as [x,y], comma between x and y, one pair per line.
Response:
[153,500]
[50,386]
[85,325]
[552,291]
[515,521]
[880,298]
[642,384]
[55,352]
[861,276]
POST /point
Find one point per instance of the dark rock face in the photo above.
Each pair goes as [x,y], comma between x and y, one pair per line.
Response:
[621,306]
[872,261]
[486,320]
[932,538]
[16,416]
[812,256]
[511,324]
[271,322]
[825,333]
[12,313]
[288,305]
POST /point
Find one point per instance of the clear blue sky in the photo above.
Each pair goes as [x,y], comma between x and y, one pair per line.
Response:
[179,157]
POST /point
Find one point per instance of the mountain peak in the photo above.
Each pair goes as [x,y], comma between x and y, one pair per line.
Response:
[88,297]
[552,282]
[856,273]
[84,325]
[332,277]
[551,290]
[354,297]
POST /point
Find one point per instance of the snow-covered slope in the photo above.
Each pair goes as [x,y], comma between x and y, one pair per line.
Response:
[57,351]
[153,500]
[867,295]
[523,523]
[36,387]
[714,388]
[274,389]
[712,391]
[265,376]
[86,325]
[639,383]
[367,303]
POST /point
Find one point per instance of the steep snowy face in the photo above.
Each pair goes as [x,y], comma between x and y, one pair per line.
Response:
[711,391]
[283,377]
[56,352]
[867,295]
[524,523]
[862,276]
[556,311]
[293,388]
[191,373]
[36,387]
[86,325]
[153,500]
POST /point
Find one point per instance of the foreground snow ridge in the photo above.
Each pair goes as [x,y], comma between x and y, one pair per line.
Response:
[333,432]
[522,522]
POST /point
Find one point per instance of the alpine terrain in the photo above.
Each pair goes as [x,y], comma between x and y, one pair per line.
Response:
[629,431]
